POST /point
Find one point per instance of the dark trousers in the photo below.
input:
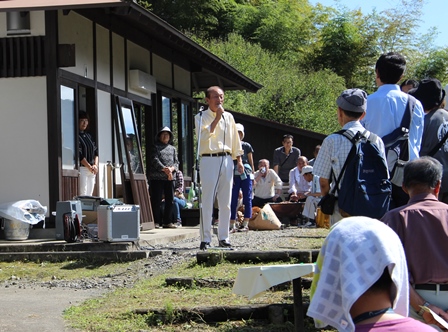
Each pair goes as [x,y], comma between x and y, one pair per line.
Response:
[158,189]
[246,188]
[260,202]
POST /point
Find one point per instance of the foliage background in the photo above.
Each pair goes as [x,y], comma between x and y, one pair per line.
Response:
[304,55]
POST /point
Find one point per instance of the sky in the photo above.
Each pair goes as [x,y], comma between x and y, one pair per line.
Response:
[435,12]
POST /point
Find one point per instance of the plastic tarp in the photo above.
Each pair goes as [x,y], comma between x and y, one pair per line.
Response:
[29,211]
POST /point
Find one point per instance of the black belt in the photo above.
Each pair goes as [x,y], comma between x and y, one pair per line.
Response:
[433,287]
[219,154]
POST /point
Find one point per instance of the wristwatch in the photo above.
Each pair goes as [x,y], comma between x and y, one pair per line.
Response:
[422,310]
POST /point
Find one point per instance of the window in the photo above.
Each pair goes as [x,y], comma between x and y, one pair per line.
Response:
[68,126]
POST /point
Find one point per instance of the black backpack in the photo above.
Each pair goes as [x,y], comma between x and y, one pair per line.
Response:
[365,189]
[396,144]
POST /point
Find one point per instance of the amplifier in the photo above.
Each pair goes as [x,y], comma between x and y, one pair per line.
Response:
[118,223]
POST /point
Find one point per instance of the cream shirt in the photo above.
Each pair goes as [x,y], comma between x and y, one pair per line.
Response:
[225,137]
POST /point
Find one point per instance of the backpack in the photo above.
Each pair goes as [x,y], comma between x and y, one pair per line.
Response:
[397,145]
[365,189]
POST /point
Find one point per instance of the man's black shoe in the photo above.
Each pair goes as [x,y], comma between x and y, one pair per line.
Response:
[224,244]
[204,245]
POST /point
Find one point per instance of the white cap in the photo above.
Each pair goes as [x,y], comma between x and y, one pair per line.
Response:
[306,169]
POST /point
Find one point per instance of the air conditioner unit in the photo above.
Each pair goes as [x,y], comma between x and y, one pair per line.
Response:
[141,81]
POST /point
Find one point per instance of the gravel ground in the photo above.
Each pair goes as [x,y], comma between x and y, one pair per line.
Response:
[39,305]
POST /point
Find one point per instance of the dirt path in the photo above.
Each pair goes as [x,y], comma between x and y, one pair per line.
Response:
[38,309]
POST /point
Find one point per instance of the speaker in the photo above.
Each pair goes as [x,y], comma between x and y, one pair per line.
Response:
[118,223]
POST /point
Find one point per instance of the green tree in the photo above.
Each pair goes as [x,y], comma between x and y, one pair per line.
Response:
[290,96]
[434,65]
[344,49]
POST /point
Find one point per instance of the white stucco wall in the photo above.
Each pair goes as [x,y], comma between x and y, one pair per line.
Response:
[104,138]
[118,61]
[23,140]
[75,29]
[162,71]
[102,54]
[182,80]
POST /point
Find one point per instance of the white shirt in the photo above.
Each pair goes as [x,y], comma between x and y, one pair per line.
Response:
[265,187]
[297,183]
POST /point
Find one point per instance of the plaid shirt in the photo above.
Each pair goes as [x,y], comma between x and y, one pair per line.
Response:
[334,151]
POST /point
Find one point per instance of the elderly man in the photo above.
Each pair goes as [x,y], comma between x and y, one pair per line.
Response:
[219,145]
[335,148]
[267,186]
[298,186]
[313,196]
[422,226]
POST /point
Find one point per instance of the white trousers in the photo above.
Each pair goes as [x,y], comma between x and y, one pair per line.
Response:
[309,210]
[216,182]
[86,182]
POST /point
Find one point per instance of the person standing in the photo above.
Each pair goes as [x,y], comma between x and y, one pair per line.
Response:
[219,144]
[335,147]
[161,168]
[432,96]
[386,107]
[285,158]
[243,182]
[88,157]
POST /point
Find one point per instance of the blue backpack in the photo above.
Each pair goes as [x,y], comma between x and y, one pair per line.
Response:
[365,189]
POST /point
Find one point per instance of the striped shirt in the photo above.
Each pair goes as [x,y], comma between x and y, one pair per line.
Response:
[87,148]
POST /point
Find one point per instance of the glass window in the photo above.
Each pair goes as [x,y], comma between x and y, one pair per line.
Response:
[185,130]
[166,112]
[68,125]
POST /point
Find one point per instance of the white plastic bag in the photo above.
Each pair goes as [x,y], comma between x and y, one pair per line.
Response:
[29,211]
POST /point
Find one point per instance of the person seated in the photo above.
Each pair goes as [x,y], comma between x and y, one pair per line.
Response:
[285,157]
[179,201]
[315,153]
[312,197]
[298,186]
[267,185]
[361,280]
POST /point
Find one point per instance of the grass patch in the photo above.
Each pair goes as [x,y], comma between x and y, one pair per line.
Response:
[69,270]
[107,314]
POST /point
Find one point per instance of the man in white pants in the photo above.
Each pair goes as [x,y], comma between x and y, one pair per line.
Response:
[219,145]
[312,197]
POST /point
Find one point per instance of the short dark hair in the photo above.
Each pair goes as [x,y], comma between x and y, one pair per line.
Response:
[286,136]
[353,115]
[83,115]
[390,67]
[424,171]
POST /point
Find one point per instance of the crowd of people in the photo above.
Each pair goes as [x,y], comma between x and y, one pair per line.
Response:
[371,273]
